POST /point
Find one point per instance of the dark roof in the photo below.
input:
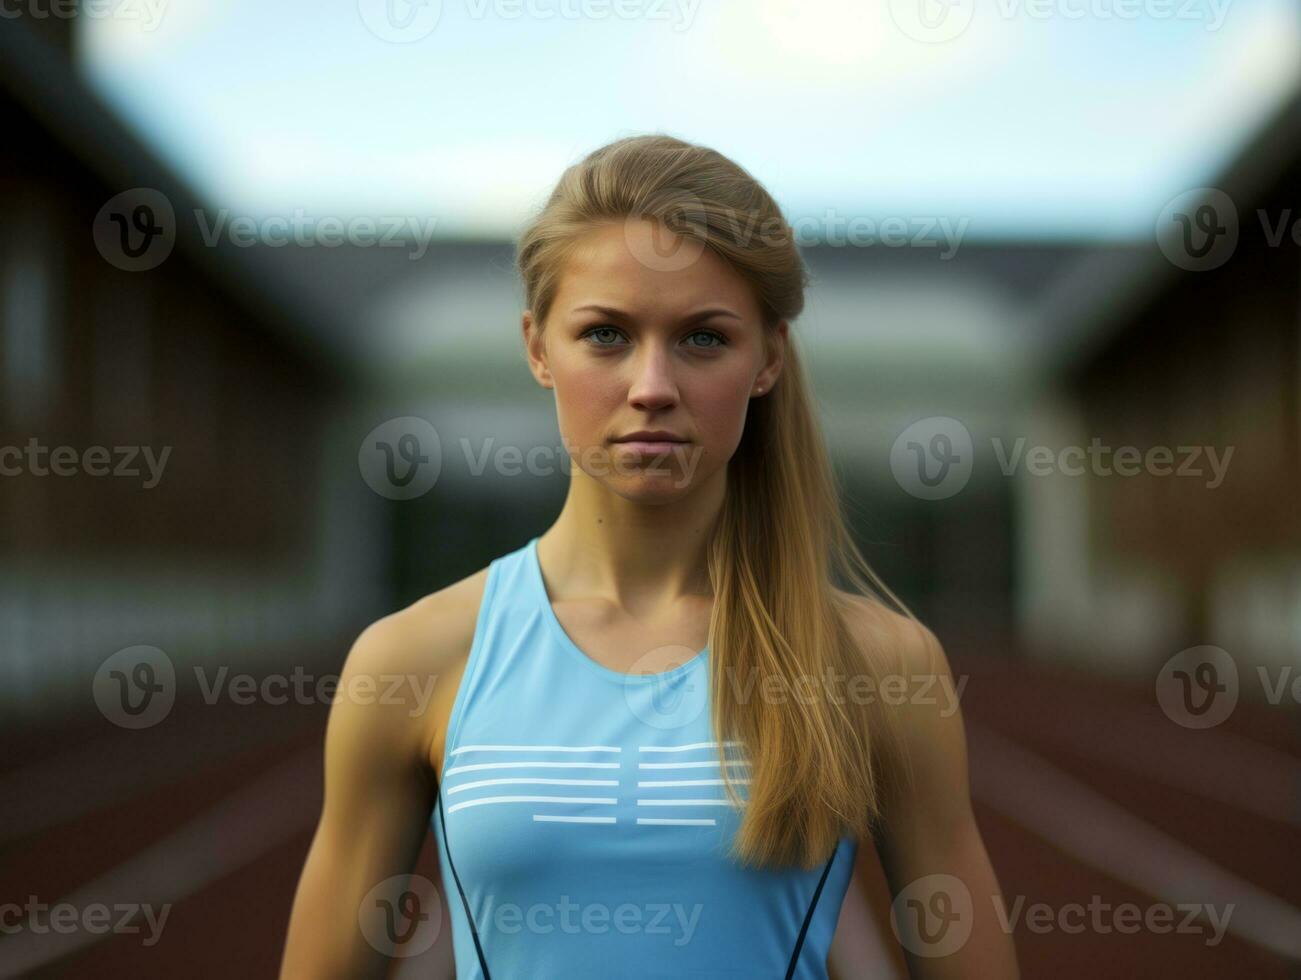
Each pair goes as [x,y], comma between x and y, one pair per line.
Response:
[40,77]
[1103,295]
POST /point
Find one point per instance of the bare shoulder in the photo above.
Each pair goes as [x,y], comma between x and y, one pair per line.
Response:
[426,635]
[412,660]
[889,640]
[922,701]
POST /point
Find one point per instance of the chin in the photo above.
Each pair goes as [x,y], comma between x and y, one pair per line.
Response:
[652,489]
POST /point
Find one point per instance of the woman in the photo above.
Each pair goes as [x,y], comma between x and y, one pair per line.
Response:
[660,737]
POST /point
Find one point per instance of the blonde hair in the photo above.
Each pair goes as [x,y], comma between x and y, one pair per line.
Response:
[821,769]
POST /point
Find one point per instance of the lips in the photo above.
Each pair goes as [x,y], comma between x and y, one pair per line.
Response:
[651,435]
[650,442]
[645,447]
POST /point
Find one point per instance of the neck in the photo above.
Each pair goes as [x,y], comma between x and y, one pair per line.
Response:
[634,553]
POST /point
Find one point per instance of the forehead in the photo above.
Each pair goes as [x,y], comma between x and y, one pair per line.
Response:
[606,267]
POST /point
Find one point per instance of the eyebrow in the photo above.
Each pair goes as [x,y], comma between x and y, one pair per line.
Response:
[693,318]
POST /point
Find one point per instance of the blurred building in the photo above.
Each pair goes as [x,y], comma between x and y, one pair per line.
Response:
[890,335]
[265,366]
[244,536]
[1193,345]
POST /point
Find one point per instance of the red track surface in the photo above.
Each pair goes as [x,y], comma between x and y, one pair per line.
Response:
[135,788]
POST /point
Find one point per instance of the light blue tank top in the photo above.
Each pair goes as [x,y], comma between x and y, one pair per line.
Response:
[581,823]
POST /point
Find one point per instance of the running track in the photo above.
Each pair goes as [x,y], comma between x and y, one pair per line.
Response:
[1082,788]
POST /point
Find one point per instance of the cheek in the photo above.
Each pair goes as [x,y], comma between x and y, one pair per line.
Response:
[718,410]
[586,399]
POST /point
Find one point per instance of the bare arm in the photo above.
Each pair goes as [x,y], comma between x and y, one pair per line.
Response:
[378,795]
[945,894]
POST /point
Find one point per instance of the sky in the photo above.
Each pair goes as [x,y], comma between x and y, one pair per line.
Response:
[1024,118]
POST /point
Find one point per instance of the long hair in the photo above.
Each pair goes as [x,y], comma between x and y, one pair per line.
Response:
[820,766]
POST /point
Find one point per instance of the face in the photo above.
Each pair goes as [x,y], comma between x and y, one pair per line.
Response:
[633,343]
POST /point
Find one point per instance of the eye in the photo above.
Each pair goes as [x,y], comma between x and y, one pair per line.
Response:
[722,341]
[599,328]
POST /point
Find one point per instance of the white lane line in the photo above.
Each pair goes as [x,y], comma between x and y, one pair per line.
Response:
[684,748]
[1033,793]
[238,830]
[1221,766]
[550,819]
[484,801]
[112,768]
[535,748]
[686,782]
[679,821]
[462,787]
[478,766]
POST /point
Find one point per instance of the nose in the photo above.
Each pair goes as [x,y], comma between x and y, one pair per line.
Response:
[653,385]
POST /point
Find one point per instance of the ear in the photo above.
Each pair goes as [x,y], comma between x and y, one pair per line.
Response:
[775,346]
[536,350]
